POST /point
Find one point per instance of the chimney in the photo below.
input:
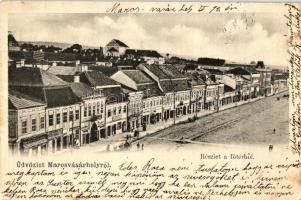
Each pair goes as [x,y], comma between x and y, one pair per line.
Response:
[76,78]
[22,62]
[84,68]
[77,62]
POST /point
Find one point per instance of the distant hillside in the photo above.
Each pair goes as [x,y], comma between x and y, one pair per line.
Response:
[56,44]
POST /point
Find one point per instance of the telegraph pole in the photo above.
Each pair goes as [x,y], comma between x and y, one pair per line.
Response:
[217,109]
[174,107]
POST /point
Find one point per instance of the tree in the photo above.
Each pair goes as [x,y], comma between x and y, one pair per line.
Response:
[260,64]
[75,48]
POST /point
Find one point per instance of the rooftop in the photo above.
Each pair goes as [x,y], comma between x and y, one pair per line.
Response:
[62,70]
[137,76]
[174,85]
[29,76]
[108,71]
[60,56]
[238,71]
[116,42]
[62,96]
[97,78]
[283,76]
[214,71]
[17,100]
[81,89]
[165,71]
[150,90]
[142,53]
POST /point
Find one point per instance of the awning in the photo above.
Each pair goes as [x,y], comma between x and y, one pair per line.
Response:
[55,133]
[34,141]
[34,144]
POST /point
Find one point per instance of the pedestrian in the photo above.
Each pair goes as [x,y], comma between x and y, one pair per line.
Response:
[274,131]
[142,145]
[138,145]
[270,147]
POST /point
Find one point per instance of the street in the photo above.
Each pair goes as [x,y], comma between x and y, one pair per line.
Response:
[252,123]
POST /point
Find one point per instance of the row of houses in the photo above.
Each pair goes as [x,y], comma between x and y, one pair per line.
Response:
[50,112]
[56,101]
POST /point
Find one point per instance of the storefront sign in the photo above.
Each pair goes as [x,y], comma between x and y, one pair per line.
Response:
[34,141]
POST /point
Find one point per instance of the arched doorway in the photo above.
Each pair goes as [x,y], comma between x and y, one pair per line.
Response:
[94,133]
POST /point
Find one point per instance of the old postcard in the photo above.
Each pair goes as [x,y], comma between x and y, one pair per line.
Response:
[150,100]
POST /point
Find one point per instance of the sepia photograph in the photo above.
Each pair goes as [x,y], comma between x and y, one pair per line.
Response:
[150,100]
[105,82]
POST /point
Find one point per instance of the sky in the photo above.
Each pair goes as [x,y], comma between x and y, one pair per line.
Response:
[236,37]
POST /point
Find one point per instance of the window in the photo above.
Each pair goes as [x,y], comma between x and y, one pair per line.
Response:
[101,109]
[124,109]
[42,122]
[90,110]
[24,126]
[118,125]
[65,117]
[119,110]
[85,111]
[76,114]
[70,115]
[50,120]
[114,111]
[109,113]
[94,110]
[98,107]
[58,118]
[34,124]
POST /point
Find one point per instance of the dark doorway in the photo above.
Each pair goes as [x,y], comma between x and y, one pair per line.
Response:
[65,142]
[58,144]
[94,133]
[53,146]
[184,110]
[103,133]
[109,130]
[114,129]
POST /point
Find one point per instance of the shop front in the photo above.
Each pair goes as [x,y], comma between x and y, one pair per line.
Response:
[34,145]
[54,140]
